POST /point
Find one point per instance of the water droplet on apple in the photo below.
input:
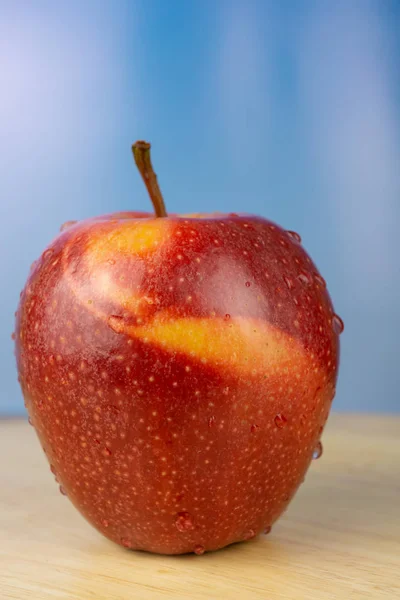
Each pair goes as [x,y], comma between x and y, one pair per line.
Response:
[304,278]
[317,451]
[211,421]
[52,469]
[337,324]
[199,549]
[111,261]
[48,253]
[295,236]
[67,224]
[267,529]
[320,280]
[227,317]
[254,428]
[105,523]
[62,490]
[289,282]
[126,543]
[184,521]
[116,323]
[249,535]
[13,336]
[280,421]
[30,421]
[248,284]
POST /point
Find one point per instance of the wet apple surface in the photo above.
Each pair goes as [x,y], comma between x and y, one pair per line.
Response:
[179,372]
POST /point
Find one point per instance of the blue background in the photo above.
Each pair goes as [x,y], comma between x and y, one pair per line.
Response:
[285,109]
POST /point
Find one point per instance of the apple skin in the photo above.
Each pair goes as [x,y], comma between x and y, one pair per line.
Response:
[179,372]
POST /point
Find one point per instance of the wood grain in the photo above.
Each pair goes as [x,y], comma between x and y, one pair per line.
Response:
[339,539]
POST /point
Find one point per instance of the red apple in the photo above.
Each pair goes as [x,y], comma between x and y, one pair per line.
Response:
[178,371]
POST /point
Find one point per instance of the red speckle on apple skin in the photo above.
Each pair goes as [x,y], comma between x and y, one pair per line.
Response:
[152,404]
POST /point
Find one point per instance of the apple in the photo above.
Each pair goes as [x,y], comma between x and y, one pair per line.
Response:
[178,370]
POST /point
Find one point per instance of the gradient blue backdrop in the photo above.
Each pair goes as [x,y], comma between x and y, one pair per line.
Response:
[286,109]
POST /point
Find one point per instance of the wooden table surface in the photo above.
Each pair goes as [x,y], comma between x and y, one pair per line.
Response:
[340,537]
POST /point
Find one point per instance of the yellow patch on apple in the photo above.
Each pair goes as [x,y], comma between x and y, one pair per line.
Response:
[129,238]
[245,345]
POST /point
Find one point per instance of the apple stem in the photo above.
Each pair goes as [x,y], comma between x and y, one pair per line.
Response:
[141,154]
